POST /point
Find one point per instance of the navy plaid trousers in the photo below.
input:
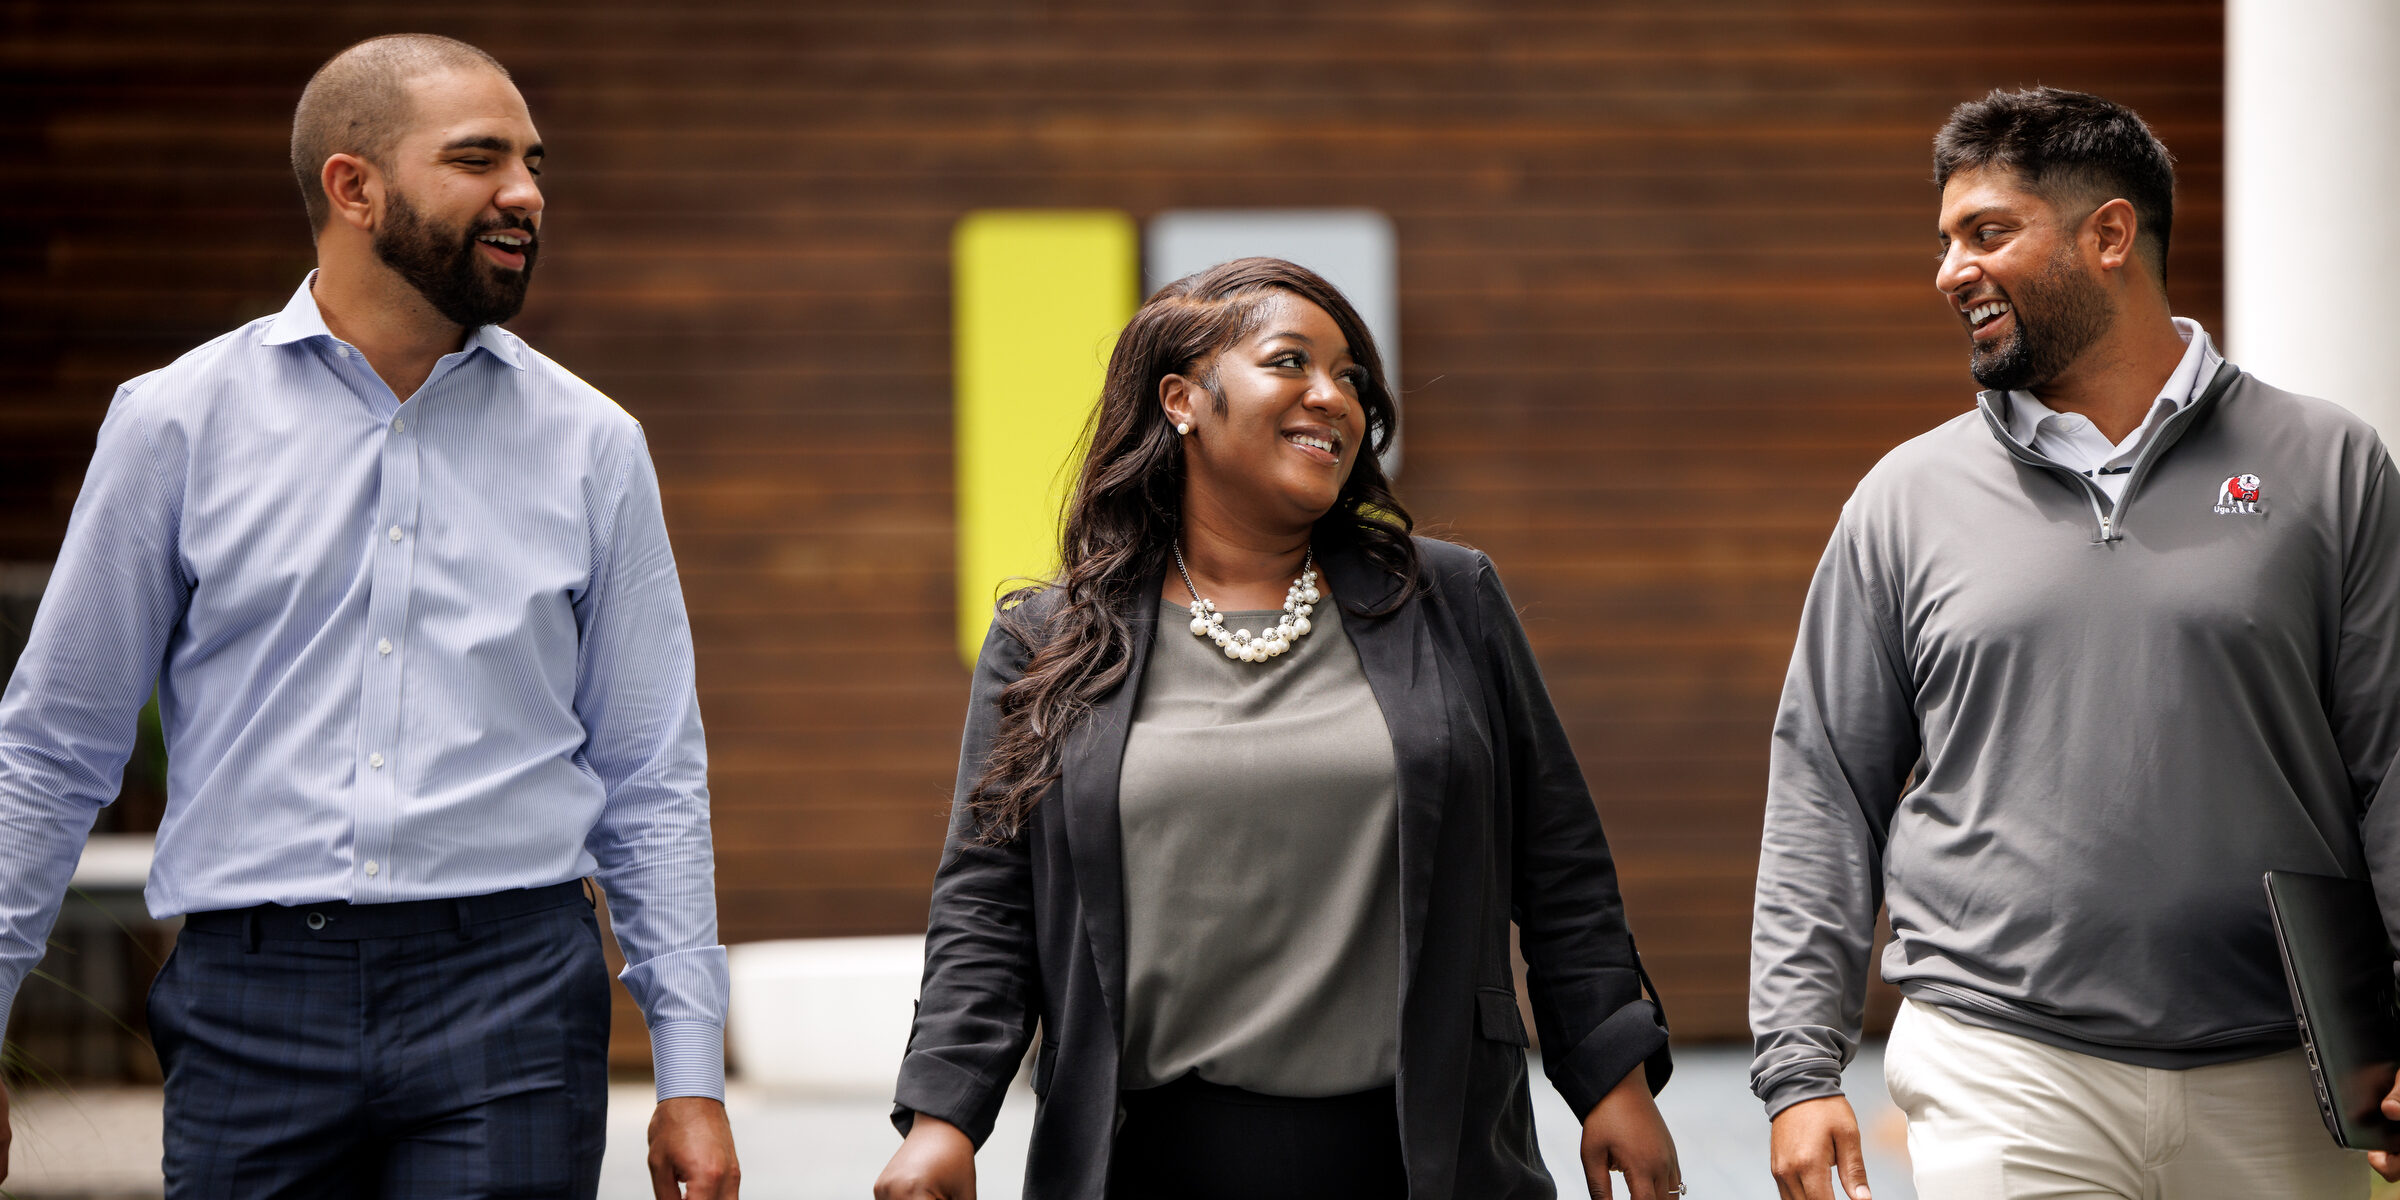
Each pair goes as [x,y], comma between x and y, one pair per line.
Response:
[309,1062]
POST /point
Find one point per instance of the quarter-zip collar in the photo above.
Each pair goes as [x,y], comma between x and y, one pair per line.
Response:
[2109,519]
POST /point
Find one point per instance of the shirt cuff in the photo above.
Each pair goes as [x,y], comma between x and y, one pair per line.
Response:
[1815,1083]
[689,1059]
[1621,1045]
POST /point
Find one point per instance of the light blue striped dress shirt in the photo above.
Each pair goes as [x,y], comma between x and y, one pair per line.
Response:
[403,651]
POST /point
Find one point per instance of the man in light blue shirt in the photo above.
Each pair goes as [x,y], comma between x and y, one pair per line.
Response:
[404,590]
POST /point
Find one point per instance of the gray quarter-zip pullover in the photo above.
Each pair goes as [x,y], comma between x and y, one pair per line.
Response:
[2065,738]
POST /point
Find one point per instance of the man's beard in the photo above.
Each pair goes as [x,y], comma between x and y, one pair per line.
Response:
[2058,315]
[449,271]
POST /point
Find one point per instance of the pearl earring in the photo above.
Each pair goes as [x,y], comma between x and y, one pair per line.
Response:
[1183,427]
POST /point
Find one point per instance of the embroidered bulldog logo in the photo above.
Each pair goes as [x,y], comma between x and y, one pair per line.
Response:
[2238,494]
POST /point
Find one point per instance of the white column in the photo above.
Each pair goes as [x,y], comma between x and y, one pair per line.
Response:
[2312,199]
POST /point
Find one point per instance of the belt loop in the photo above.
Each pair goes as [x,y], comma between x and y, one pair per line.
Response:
[250,931]
[464,918]
[591,894]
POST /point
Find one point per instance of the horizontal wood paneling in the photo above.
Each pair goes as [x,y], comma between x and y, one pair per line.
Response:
[1665,277]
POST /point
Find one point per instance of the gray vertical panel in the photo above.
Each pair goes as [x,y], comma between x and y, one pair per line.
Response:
[1353,248]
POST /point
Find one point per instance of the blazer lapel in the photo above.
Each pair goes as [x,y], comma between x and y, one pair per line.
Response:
[1089,766]
[1397,654]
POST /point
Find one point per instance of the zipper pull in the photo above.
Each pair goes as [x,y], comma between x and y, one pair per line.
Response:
[2105,526]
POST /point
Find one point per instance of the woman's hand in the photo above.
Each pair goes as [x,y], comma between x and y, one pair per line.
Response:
[1624,1133]
[935,1162]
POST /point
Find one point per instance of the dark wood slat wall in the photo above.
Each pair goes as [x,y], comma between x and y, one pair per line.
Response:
[1665,294]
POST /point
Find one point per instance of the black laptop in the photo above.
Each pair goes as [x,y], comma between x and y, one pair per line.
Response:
[2339,964]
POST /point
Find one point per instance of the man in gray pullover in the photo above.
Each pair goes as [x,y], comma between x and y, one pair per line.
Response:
[2076,669]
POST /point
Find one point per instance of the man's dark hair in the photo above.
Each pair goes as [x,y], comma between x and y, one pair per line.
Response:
[2074,150]
[357,103]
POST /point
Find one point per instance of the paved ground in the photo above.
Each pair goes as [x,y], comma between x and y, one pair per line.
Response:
[103,1143]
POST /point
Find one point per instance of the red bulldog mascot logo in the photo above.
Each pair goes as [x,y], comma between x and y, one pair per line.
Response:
[2238,495]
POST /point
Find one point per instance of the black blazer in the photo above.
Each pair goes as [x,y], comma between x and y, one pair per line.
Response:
[1495,824]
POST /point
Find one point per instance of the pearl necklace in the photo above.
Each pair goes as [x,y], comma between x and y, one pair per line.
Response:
[1298,603]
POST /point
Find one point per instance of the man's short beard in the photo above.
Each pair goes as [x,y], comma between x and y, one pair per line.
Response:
[445,268]
[2058,315]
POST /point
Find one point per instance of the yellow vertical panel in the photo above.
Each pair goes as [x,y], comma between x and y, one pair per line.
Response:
[1040,295]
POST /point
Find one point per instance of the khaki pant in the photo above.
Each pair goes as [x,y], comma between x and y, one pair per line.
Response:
[1994,1116]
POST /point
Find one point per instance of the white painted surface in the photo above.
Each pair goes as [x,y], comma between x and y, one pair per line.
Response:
[1353,248]
[84,1141]
[2312,150]
[115,862]
[823,1016]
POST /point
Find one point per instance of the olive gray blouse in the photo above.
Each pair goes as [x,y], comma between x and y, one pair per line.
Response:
[1259,806]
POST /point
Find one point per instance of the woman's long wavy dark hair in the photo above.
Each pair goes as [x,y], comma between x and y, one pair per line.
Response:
[1122,520]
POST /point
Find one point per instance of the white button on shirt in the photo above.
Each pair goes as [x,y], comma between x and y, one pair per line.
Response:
[2073,442]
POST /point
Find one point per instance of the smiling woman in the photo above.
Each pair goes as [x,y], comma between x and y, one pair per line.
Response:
[1230,491]
[1244,892]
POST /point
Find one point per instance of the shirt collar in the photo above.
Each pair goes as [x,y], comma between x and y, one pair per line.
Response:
[2197,367]
[301,320]
[2191,375]
[500,344]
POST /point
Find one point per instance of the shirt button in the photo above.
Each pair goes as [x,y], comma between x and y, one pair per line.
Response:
[375,761]
[383,646]
[399,425]
[394,534]
[373,868]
